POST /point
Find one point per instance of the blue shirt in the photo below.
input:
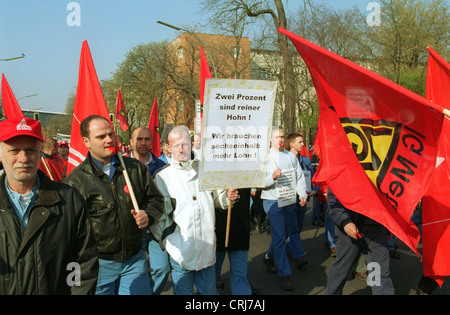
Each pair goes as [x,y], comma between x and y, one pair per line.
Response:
[22,203]
[101,166]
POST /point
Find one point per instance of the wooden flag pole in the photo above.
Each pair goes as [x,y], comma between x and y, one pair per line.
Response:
[446,112]
[227,232]
[127,180]
[46,167]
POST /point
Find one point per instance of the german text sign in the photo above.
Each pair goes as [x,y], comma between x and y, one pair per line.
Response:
[237,120]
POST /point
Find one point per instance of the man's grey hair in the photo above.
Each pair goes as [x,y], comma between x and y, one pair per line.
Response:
[178,130]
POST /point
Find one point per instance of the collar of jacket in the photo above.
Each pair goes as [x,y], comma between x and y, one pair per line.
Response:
[191,164]
[98,172]
[47,193]
[190,167]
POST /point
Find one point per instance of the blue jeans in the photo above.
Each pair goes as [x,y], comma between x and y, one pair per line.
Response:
[283,225]
[129,277]
[183,280]
[159,266]
[238,271]
[330,237]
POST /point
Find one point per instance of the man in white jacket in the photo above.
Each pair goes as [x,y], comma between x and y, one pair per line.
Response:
[186,230]
[284,181]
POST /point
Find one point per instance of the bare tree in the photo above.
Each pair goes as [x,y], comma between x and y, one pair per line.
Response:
[274,9]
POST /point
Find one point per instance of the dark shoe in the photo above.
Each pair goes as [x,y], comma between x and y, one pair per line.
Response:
[286,283]
[255,290]
[219,283]
[300,262]
[270,264]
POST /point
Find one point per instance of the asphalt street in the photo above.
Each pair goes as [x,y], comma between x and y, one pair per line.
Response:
[406,271]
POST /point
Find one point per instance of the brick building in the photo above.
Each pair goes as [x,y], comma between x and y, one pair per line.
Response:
[231,60]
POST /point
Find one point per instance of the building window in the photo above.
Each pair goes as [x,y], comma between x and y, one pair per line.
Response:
[235,52]
[181,105]
[180,53]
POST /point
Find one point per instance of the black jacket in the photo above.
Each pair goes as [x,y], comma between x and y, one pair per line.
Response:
[109,202]
[239,237]
[341,216]
[36,260]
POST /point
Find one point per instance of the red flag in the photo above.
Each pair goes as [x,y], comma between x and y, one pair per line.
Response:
[153,126]
[436,201]
[11,107]
[88,101]
[377,141]
[121,114]
[205,73]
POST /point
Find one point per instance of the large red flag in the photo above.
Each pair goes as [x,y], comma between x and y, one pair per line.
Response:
[153,126]
[436,201]
[377,141]
[88,101]
[11,107]
[121,114]
[205,73]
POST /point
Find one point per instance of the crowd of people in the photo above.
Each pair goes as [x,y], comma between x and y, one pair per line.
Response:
[129,240]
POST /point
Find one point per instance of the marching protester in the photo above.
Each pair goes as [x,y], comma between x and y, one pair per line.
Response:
[119,228]
[186,230]
[50,163]
[282,217]
[295,144]
[238,243]
[166,154]
[45,226]
[357,234]
[141,141]
[63,154]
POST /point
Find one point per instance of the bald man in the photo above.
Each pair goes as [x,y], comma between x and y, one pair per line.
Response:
[141,141]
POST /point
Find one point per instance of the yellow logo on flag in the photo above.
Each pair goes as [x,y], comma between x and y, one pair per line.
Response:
[374,143]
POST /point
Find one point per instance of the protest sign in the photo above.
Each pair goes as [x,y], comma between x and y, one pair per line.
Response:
[237,121]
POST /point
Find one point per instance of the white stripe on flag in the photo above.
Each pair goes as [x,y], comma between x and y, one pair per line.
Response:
[77,154]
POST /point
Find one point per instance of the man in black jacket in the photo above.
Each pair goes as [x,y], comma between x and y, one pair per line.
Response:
[47,244]
[119,229]
[238,243]
[357,234]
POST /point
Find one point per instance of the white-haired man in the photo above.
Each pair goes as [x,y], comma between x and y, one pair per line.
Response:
[187,228]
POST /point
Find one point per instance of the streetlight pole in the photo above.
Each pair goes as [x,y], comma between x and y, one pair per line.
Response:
[13,58]
[31,95]
[177,28]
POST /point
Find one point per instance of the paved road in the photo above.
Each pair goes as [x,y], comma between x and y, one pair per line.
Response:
[312,279]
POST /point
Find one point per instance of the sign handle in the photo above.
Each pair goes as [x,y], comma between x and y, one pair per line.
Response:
[227,233]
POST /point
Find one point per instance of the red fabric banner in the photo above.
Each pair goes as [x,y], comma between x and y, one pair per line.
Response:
[89,100]
[153,126]
[436,201]
[11,107]
[121,114]
[377,141]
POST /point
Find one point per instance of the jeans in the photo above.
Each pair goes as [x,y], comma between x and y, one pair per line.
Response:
[160,266]
[238,271]
[330,237]
[183,280]
[283,225]
[129,277]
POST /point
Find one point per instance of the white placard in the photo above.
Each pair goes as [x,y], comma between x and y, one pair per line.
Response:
[285,188]
[237,120]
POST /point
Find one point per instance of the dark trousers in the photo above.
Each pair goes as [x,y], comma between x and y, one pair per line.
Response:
[373,245]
